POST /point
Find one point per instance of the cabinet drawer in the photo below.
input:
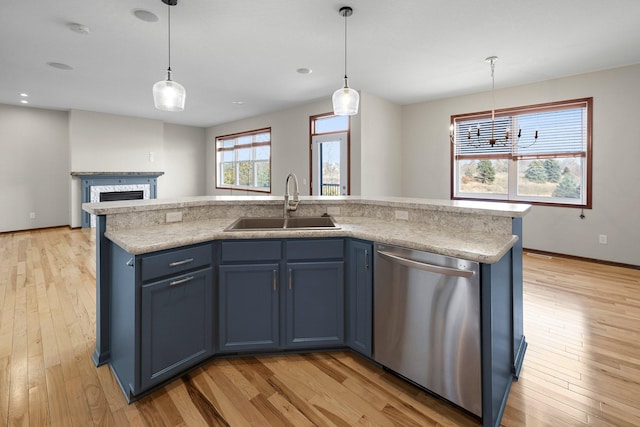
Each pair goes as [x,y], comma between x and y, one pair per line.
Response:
[315,249]
[251,251]
[175,261]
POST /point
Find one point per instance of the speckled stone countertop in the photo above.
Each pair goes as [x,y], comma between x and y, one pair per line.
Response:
[466,206]
[474,246]
[476,231]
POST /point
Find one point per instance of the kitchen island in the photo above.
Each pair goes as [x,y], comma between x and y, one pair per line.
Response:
[227,269]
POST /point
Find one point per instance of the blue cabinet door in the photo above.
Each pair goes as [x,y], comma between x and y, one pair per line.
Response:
[359,296]
[176,325]
[315,304]
[248,307]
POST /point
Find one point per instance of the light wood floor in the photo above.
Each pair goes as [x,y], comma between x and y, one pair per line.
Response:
[582,367]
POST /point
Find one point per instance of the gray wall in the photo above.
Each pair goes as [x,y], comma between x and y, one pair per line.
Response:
[394,151]
[102,142]
[41,147]
[375,144]
[34,168]
[616,158]
[289,146]
[381,147]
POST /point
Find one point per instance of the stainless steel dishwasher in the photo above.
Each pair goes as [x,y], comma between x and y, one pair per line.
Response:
[427,322]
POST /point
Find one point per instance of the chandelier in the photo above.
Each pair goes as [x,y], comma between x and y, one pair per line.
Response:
[502,137]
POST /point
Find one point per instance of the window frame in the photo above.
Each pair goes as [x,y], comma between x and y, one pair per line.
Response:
[313,132]
[253,145]
[512,175]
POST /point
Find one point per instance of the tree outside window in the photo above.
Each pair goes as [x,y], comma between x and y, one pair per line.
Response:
[540,154]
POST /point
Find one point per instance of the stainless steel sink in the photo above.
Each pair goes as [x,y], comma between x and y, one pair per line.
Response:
[310,222]
[256,224]
[298,223]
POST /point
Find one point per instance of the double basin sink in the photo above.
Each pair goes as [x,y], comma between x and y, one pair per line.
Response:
[297,223]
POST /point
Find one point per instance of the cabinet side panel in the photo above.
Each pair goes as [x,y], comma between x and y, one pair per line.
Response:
[122,311]
[360,297]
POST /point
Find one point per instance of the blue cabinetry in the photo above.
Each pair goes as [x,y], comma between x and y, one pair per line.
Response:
[176,325]
[315,293]
[248,307]
[161,314]
[359,296]
[280,294]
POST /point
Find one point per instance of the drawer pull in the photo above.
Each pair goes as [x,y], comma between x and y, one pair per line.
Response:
[184,261]
[181,281]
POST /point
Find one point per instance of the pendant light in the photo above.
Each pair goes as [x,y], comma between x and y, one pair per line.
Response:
[169,95]
[345,99]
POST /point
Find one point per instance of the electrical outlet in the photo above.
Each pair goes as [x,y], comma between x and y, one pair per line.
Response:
[602,239]
[151,157]
[333,210]
[173,217]
[32,215]
[403,215]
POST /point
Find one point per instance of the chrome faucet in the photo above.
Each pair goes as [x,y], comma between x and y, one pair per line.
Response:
[290,205]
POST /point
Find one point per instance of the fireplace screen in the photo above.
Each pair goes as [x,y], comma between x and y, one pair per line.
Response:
[110,196]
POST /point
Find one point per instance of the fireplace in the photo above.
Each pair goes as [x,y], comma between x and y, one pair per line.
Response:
[112,196]
[110,186]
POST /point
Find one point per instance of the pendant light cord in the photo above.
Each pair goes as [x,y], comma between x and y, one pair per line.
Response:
[493,95]
[345,48]
[169,41]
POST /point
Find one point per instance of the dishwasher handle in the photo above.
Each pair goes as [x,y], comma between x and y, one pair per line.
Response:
[426,267]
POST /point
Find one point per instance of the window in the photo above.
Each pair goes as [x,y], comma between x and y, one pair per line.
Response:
[244,161]
[329,155]
[537,154]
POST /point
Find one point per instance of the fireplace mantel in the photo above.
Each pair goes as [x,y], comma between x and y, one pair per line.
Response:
[92,179]
[91,175]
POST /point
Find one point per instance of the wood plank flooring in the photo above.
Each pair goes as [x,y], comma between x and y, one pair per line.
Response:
[582,367]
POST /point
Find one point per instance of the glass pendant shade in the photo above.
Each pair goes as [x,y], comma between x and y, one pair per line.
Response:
[345,101]
[169,95]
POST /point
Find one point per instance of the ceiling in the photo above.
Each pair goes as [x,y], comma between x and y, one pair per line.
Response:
[238,58]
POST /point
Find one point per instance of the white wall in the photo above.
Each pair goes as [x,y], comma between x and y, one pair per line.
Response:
[289,146]
[34,168]
[616,157]
[381,147]
[102,142]
[184,164]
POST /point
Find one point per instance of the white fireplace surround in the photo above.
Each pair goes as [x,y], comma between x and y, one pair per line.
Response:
[95,183]
[96,190]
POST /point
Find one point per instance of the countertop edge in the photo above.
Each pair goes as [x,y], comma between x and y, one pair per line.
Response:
[461,206]
[480,247]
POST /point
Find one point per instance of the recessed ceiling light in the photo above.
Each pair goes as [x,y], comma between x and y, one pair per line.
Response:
[24,101]
[145,15]
[304,70]
[24,95]
[237,102]
[78,28]
[60,66]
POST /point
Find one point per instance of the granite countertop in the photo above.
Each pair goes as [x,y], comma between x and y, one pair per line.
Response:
[474,246]
[462,206]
